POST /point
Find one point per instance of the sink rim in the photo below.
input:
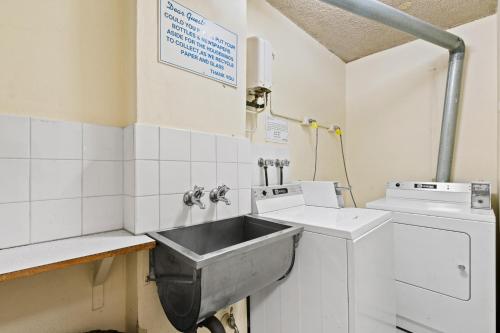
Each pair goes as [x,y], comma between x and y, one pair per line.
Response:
[198,261]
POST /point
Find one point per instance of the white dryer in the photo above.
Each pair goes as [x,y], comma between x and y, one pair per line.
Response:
[444,256]
[343,279]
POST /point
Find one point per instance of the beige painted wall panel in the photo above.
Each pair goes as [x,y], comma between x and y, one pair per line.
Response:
[394,109]
[68,59]
[61,301]
[173,97]
[308,80]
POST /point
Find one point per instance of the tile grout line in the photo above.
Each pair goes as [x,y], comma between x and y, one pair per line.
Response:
[29,182]
[81,185]
[123,179]
[158,163]
[134,178]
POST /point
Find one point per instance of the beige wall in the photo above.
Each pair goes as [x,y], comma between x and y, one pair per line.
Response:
[68,59]
[172,97]
[394,109]
[61,301]
[308,80]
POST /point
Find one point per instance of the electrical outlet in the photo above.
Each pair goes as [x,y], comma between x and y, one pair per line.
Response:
[308,121]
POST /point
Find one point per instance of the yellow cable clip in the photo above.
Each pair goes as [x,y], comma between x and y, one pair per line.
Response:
[338,131]
[314,124]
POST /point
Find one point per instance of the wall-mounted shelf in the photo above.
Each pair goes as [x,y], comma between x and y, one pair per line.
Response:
[33,259]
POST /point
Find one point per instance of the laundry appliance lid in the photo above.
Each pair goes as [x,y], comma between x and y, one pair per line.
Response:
[434,208]
[348,223]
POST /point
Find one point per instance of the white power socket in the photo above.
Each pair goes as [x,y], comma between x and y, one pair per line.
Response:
[308,121]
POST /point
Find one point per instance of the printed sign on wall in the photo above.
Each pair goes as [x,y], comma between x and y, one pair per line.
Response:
[195,44]
[276,130]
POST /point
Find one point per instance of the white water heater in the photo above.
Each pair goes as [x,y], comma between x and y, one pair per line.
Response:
[259,65]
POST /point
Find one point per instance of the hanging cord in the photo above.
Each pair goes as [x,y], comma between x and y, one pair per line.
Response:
[339,133]
[316,154]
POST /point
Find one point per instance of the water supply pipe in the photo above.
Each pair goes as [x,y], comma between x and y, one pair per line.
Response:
[385,14]
[212,324]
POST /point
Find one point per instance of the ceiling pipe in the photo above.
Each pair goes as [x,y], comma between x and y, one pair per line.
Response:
[382,13]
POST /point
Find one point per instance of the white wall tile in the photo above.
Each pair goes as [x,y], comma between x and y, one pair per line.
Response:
[204,174]
[245,201]
[129,213]
[14,224]
[102,178]
[245,151]
[147,177]
[147,141]
[203,147]
[14,180]
[204,215]
[175,144]
[227,211]
[128,143]
[244,175]
[14,137]
[147,214]
[227,149]
[129,178]
[103,143]
[56,139]
[102,214]
[175,177]
[227,174]
[173,212]
[55,219]
[56,179]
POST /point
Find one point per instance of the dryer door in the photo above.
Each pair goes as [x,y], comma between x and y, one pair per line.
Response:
[434,259]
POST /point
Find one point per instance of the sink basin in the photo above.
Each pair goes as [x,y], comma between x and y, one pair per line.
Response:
[203,268]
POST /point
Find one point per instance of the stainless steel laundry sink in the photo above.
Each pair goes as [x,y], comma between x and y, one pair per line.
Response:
[203,268]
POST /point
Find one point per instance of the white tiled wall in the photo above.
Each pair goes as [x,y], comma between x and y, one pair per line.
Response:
[162,164]
[58,179]
[62,179]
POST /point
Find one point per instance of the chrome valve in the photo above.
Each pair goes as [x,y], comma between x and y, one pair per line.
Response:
[281,163]
[193,197]
[219,194]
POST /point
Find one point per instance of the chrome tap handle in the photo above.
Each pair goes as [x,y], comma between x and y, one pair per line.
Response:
[193,197]
[281,163]
[219,194]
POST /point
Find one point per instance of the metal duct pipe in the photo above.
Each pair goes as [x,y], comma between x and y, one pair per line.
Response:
[382,13]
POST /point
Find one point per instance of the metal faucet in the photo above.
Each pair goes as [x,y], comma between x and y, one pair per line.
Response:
[219,194]
[193,197]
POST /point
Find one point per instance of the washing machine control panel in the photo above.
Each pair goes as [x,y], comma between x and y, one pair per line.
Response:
[271,192]
[271,198]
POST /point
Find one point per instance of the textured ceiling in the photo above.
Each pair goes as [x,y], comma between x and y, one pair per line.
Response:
[352,37]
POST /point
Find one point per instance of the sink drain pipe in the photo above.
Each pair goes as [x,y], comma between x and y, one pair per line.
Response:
[382,13]
[212,324]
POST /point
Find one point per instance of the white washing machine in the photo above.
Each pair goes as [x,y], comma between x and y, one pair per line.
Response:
[444,256]
[343,279]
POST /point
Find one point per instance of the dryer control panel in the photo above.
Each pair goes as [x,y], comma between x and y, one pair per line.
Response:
[476,195]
